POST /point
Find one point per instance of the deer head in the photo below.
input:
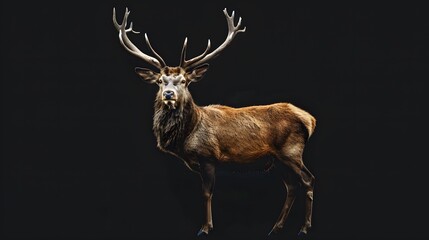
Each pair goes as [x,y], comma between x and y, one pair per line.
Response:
[173,82]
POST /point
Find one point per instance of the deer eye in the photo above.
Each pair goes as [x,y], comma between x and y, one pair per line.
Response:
[183,81]
[159,81]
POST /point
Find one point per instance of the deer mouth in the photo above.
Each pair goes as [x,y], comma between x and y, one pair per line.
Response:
[171,103]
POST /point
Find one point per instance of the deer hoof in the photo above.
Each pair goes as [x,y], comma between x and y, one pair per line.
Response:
[304,230]
[274,232]
[302,233]
[202,233]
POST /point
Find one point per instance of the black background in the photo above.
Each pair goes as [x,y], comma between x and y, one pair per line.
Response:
[80,159]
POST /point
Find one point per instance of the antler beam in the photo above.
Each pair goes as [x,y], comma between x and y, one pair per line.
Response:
[130,47]
[233,30]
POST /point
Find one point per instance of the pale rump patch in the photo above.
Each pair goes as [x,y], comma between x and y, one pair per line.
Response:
[294,150]
[308,120]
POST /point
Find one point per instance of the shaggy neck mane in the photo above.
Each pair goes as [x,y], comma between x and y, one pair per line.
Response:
[172,126]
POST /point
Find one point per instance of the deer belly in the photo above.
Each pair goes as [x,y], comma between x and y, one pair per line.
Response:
[242,153]
[227,150]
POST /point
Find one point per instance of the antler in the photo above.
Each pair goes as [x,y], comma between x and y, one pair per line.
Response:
[130,47]
[205,56]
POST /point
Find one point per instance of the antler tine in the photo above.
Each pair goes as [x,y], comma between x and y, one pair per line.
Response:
[115,22]
[183,62]
[233,30]
[131,29]
[183,54]
[129,46]
[153,51]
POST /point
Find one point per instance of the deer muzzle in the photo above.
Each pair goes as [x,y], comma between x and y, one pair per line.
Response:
[169,97]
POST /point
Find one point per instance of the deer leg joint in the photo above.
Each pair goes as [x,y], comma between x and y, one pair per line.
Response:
[310,194]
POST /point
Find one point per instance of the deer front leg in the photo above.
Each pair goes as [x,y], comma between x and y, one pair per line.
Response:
[207,171]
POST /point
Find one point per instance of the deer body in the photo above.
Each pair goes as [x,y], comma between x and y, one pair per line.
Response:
[227,134]
[204,137]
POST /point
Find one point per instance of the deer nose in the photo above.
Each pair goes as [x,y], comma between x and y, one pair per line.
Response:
[168,94]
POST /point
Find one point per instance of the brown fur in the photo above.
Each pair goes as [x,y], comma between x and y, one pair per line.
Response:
[244,134]
[172,71]
[204,137]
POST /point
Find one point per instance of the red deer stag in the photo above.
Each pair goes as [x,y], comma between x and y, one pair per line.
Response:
[206,136]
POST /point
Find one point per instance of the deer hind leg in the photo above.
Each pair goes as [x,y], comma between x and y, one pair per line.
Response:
[308,182]
[291,157]
[291,186]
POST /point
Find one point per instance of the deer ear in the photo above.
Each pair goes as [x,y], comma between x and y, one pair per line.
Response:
[197,73]
[147,75]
